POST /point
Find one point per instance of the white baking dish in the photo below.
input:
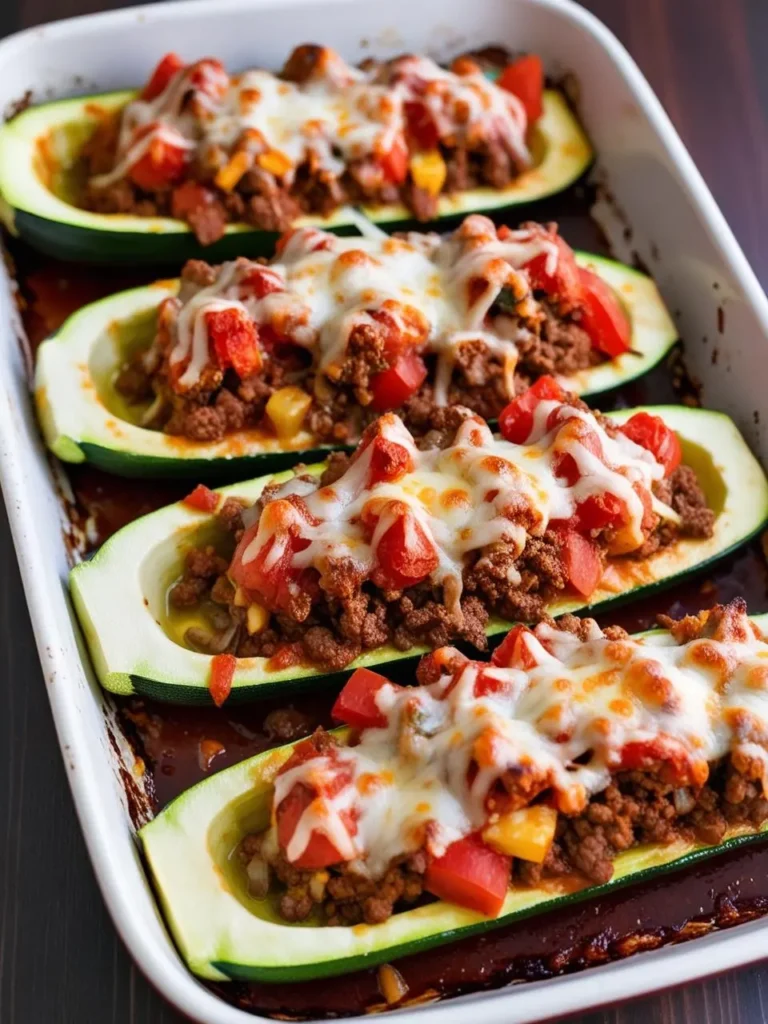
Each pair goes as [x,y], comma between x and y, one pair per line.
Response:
[657,191]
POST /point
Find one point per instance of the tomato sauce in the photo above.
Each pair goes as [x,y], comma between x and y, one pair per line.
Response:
[182,745]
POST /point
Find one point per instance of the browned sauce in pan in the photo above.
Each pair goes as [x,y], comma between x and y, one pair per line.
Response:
[182,745]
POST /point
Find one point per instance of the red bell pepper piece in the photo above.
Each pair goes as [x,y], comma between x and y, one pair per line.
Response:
[356,704]
[393,387]
[220,680]
[602,316]
[203,499]
[470,874]
[235,340]
[162,163]
[394,163]
[525,79]
[513,651]
[160,78]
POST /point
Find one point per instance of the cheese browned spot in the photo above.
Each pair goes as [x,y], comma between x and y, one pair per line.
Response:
[564,725]
[478,492]
[324,286]
[341,115]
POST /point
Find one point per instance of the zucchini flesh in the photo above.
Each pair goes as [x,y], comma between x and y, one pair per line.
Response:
[85,419]
[224,933]
[39,148]
[127,580]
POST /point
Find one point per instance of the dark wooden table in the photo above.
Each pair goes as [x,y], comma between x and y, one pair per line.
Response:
[60,959]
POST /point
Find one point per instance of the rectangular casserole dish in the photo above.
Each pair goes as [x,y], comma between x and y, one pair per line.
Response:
[654,188]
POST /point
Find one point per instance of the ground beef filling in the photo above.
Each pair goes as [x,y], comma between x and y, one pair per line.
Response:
[636,808]
[350,617]
[264,201]
[223,403]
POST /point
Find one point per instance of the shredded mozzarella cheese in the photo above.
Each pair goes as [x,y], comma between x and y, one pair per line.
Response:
[561,726]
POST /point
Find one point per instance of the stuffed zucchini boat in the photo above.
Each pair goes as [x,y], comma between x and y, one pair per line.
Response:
[203,161]
[265,364]
[575,762]
[376,557]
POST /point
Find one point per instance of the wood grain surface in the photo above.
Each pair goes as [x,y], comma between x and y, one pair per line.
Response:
[61,961]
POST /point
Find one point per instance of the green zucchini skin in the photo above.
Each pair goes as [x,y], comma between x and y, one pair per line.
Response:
[237,937]
[127,579]
[75,401]
[329,969]
[51,223]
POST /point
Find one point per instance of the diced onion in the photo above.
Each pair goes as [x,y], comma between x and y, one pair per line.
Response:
[257,871]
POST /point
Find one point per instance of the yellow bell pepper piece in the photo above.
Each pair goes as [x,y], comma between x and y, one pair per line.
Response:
[256,618]
[232,171]
[286,409]
[428,171]
[275,162]
[526,833]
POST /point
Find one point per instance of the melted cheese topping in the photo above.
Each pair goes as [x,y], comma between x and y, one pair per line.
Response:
[478,493]
[437,289]
[339,115]
[560,726]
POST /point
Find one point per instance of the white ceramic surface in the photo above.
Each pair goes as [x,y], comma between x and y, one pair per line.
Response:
[662,196]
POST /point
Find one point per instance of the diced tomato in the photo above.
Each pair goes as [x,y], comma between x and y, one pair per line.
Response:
[208,76]
[314,240]
[169,65]
[421,125]
[564,283]
[470,874]
[525,79]
[405,555]
[189,197]
[639,755]
[319,851]
[262,282]
[356,704]
[516,420]
[602,316]
[235,340]
[564,465]
[393,387]
[599,512]
[581,559]
[513,651]
[652,433]
[220,680]
[202,498]
[270,577]
[389,461]
[162,163]
[394,163]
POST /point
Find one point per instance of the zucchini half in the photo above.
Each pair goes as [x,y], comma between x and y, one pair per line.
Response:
[121,594]
[85,419]
[223,933]
[40,180]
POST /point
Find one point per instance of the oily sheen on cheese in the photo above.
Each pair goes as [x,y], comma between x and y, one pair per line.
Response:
[475,493]
[438,290]
[340,115]
[561,724]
